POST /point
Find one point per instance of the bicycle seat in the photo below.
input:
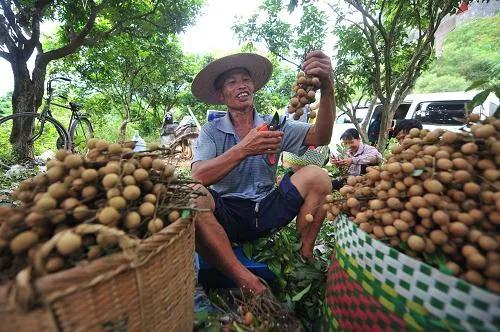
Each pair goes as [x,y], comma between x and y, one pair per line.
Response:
[74,105]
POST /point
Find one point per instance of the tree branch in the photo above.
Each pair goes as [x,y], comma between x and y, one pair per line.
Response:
[73,45]
[11,21]
[119,26]
[387,51]
[423,50]
[5,36]
[396,17]
[6,56]
[366,120]
[23,14]
[381,12]
[366,14]
[34,40]
[369,34]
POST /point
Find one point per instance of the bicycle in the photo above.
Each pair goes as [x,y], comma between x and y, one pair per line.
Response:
[46,131]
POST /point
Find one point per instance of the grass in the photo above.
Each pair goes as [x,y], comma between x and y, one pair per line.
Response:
[9,182]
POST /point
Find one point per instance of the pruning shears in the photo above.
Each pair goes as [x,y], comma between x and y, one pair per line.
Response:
[275,124]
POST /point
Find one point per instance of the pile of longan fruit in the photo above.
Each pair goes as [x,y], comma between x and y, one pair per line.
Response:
[136,192]
[437,194]
[305,89]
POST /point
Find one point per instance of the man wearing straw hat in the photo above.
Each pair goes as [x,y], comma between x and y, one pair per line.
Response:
[231,160]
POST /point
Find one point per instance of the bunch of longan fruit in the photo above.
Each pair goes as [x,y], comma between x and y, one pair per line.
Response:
[305,89]
[135,192]
[437,194]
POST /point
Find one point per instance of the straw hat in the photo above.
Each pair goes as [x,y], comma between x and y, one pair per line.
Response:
[203,86]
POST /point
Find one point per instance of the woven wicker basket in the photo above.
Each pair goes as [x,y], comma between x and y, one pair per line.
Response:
[148,287]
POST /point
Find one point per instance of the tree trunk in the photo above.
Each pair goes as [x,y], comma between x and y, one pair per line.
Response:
[26,97]
[366,121]
[388,111]
[123,130]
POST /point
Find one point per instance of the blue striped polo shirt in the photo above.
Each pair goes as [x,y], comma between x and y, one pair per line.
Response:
[253,178]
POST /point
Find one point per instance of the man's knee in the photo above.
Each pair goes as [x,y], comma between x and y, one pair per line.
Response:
[204,199]
[312,177]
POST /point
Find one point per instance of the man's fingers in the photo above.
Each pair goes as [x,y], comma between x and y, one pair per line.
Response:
[272,140]
[271,134]
[318,72]
[315,53]
[264,141]
[316,62]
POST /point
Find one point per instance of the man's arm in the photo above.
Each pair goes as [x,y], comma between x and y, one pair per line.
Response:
[211,171]
[256,142]
[319,65]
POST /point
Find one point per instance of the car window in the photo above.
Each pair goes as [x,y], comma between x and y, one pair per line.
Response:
[440,112]
[401,111]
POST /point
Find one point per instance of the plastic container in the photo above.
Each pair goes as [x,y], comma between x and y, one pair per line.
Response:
[140,144]
[209,277]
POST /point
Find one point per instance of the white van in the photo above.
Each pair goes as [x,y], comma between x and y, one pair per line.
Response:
[445,110]
[433,110]
[343,121]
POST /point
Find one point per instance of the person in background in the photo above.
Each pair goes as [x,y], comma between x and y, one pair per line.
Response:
[403,127]
[360,156]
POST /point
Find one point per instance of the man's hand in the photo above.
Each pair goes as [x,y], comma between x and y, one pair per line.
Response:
[319,64]
[261,142]
[346,162]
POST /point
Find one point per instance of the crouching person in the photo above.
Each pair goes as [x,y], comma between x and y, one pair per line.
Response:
[360,156]
[231,160]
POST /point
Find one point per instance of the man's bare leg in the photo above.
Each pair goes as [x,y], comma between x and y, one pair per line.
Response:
[213,244]
[313,184]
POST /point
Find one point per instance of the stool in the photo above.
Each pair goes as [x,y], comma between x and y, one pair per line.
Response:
[210,278]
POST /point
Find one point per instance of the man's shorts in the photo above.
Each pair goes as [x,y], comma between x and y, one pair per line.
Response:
[245,220]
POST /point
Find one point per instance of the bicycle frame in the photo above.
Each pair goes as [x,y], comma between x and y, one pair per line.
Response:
[75,112]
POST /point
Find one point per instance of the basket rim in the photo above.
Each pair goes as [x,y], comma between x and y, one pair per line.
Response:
[52,286]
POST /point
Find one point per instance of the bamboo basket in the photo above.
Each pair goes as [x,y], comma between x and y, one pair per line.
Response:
[149,286]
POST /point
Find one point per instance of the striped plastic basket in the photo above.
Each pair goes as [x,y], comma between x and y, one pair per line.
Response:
[373,287]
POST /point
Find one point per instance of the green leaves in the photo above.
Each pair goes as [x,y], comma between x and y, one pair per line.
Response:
[299,284]
[477,84]
[478,99]
[468,59]
[289,42]
[417,172]
[301,294]
[247,250]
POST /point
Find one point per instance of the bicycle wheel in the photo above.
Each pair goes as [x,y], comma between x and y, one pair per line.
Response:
[79,132]
[32,144]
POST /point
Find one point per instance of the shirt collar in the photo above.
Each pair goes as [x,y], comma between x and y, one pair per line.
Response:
[360,150]
[226,125]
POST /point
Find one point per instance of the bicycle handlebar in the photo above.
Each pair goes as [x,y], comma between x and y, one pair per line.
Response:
[60,78]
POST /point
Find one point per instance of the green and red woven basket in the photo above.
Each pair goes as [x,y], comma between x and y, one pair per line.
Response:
[373,287]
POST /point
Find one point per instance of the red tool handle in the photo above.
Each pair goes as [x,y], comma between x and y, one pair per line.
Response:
[263,127]
[271,157]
